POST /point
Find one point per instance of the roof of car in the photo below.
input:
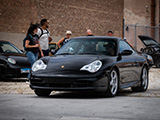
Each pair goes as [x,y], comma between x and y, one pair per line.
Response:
[100,37]
[144,37]
[4,41]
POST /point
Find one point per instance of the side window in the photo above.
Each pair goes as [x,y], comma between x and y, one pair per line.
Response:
[124,46]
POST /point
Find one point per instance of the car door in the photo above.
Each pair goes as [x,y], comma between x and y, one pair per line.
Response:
[127,64]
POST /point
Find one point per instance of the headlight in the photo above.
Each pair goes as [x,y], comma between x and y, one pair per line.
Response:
[39,65]
[149,57]
[12,61]
[92,67]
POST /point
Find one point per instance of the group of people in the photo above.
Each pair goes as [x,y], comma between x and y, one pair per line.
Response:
[36,42]
[69,33]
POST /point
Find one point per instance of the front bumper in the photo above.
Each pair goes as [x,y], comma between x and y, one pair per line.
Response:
[14,73]
[69,83]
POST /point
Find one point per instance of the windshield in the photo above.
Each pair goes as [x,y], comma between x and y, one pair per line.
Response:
[150,42]
[6,47]
[89,46]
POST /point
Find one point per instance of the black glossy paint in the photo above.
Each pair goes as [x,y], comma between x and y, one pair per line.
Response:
[13,70]
[151,49]
[54,77]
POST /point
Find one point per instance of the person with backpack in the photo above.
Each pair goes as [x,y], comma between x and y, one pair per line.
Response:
[65,39]
[31,44]
[44,36]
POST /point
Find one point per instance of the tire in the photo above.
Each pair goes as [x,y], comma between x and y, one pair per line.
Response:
[144,81]
[158,62]
[42,93]
[113,83]
[0,73]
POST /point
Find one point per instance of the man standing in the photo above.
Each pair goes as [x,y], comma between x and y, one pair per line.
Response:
[44,37]
[65,39]
[89,32]
[110,33]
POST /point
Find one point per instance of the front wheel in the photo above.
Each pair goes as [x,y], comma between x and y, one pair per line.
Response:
[112,83]
[144,81]
[42,93]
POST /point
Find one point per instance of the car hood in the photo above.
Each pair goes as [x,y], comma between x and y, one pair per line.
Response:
[13,54]
[21,59]
[151,41]
[70,62]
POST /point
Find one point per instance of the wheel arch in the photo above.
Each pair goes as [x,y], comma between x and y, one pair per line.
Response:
[145,65]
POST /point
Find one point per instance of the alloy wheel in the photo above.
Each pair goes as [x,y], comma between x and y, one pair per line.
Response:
[144,78]
[114,82]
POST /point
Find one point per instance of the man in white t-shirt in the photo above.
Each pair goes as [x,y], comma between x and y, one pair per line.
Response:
[44,37]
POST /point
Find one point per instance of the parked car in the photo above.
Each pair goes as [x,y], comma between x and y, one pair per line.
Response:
[13,63]
[103,64]
[52,46]
[149,59]
[152,47]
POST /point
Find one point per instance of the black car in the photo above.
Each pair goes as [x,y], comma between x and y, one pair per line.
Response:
[103,64]
[13,63]
[152,48]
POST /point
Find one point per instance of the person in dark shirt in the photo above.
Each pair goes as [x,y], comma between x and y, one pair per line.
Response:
[32,46]
[65,39]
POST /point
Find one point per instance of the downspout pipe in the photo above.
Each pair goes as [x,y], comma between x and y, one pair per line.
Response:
[153,7]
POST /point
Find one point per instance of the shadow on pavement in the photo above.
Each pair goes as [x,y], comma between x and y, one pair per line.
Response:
[78,95]
[13,79]
[86,95]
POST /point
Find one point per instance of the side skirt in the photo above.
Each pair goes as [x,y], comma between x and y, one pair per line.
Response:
[131,84]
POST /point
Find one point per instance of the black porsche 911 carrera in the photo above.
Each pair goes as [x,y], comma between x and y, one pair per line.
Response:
[152,48]
[103,64]
[13,63]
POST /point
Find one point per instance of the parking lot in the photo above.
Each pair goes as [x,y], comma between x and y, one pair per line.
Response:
[18,102]
[11,87]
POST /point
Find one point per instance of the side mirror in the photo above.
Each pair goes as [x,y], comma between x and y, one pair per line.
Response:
[126,52]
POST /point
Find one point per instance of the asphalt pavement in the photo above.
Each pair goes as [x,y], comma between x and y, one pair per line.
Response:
[78,106]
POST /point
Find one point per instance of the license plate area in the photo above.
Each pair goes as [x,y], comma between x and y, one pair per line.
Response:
[25,70]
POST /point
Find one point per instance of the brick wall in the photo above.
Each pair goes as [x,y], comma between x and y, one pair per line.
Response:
[139,11]
[75,15]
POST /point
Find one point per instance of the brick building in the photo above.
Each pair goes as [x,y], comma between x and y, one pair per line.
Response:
[75,15]
[144,14]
